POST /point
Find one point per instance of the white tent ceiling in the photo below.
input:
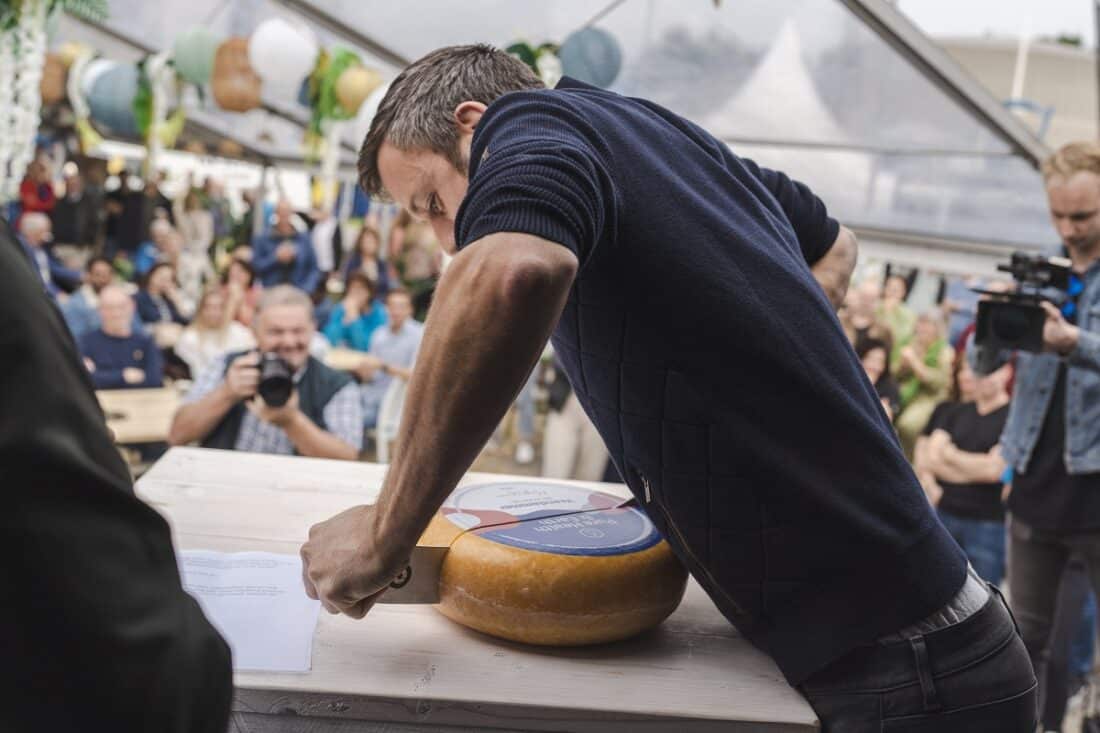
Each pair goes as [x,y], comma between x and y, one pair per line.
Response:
[844,94]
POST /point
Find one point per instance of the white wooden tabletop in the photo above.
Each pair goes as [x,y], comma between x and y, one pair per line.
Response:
[343,358]
[409,664]
[139,415]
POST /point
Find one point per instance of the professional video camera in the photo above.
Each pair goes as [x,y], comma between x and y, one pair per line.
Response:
[1010,321]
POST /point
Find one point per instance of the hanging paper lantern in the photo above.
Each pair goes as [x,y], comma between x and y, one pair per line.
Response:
[92,71]
[235,85]
[52,86]
[69,51]
[304,93]
[112,99]
[281,54]
[591,55]
[194,55]
[354,85]
[367,111]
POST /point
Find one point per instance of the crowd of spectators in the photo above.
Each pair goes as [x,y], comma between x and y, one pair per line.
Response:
[159,288]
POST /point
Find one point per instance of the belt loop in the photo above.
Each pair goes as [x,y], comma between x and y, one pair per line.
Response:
[997,591]
[924,673]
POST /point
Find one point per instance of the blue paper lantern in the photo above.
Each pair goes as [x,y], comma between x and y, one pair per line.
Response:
[111,100]
[591,55]
[303,93]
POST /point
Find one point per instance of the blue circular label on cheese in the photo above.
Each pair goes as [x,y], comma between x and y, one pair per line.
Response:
[555,518]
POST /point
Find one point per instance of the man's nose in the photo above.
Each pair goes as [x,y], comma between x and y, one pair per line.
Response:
[1065,228]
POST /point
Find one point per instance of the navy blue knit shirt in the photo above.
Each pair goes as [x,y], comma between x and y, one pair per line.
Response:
[715,369]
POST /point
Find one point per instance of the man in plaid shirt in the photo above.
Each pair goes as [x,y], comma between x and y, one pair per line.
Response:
[323,417]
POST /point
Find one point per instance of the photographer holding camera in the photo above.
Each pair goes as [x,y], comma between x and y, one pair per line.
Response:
[1052,437]
[278,399]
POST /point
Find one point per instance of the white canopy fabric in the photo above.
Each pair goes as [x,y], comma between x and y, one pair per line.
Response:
[807,86]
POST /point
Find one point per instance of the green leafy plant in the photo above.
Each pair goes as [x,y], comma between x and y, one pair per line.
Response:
[94,10]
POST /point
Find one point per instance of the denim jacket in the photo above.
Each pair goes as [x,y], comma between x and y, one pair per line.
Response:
[1036,375]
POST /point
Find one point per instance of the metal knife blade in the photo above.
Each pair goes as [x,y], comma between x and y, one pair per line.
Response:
[419,582]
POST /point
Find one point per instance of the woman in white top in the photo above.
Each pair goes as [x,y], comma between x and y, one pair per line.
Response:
[195,223]
[211,334]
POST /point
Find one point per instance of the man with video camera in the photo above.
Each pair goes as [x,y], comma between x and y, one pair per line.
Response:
[1052,438]
[278,399]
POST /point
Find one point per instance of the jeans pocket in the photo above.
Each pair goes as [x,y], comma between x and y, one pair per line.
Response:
[1015,714]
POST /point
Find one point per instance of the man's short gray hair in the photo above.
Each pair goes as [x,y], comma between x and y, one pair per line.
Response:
[283,295]
[34,222]
[417,112]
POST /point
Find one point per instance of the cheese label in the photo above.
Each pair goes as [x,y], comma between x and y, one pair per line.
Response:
[555,518]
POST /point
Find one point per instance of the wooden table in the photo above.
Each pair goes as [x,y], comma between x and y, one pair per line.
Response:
[139,415]
[344,359]
[410,665]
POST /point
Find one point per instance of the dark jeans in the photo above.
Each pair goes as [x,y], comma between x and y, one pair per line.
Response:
[983,541]
[1069,651]
[1037,561]
[971,677]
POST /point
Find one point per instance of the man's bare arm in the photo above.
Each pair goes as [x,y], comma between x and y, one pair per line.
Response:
[834,271]
[195,421]
[984,468]
[491,316]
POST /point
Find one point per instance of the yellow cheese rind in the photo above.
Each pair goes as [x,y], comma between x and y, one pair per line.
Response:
[560,600]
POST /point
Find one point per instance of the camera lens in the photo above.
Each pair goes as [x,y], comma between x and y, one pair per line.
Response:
[276,380]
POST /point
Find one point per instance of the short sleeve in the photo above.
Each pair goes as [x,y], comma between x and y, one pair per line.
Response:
[940,418]
[206,381]
[537,172]
[807,214]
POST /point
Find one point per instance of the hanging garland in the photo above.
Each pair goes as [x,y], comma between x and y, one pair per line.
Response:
[328,98]
[22,57]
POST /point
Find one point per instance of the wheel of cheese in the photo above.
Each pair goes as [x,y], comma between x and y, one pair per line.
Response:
[554,564]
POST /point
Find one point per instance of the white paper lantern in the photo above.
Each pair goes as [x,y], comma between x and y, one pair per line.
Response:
[367,110]
[282,54]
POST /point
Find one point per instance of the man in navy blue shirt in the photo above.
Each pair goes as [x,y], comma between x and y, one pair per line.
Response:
[691,297]
[117,356]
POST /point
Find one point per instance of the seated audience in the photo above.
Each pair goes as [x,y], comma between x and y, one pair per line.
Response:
[77,215]
[958,462]
[153,250]
[364,258]
[858,314]
[36,191]
[893,311]
[285,255]
[116,355]
[392,353]
[35,236]
[242,292]
[923,370]
[323,417]
[157,298]
[354,320]
[211,334]
[81,310]
[195,223]
[875,355]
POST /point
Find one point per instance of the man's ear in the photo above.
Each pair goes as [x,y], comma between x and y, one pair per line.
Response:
[467,115]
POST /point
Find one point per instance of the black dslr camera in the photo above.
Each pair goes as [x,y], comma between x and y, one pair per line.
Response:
[276,380]
[1011,321]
